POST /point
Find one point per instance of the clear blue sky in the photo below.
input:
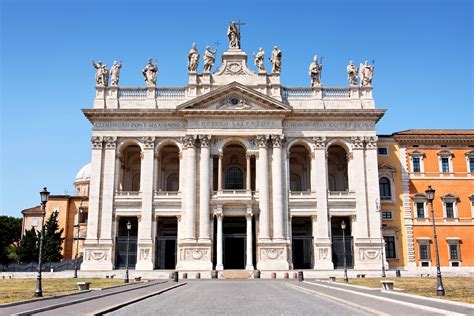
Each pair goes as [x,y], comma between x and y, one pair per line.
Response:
[423,52]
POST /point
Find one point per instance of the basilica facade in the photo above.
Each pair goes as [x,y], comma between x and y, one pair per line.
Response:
[233,171]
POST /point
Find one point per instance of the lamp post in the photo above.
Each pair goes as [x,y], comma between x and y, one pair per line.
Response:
[79,212]
[129,227]
[343,226]
[381,238]
[430,194]
[44,199]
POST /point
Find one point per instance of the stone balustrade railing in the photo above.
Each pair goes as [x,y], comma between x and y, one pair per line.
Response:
[337,93]
[335,194]
[143,93]
[167,193]
[128,194]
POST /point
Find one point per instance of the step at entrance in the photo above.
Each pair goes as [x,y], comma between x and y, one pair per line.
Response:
[236,274]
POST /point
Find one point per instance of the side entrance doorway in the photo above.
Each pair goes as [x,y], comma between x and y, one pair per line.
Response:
[302,242]
[165,243]
[338,241]
[121,243]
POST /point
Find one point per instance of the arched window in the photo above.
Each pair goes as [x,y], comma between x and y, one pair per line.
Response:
[385,190]
[234,178]
[295,182]
[172,184]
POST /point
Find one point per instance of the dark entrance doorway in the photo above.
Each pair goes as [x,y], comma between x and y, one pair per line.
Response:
[233,242]
[302,242]
[165,243]
[121,243]
[337,242]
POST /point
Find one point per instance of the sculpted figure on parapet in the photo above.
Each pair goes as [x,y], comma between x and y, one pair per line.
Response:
[233,34]
[258,60]
[315,72]
[150,72]
[209,59]
[366,72]
[193,58]
[115,73]
[102,74]
[275,59]
[352,73]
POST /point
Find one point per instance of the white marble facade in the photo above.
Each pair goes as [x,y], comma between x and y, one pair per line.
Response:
[233,153]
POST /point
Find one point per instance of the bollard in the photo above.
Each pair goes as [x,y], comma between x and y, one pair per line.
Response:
[175,276]
[185,275]
[198,275]
[286,275]
[398,274]
[300,276]
[274,275]
[256,274]
[214,274]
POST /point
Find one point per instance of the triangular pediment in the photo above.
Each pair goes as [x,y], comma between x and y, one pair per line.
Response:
[234,97]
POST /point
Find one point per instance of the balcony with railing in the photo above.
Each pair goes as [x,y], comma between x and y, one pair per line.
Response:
[128,196]
[167,197]
[342,199]
[307,198]
[234,195]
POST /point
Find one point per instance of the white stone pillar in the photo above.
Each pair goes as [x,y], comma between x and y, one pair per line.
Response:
[118,171]
[264,223]
[219,172]
[94,190]
[319,184]
[248,182]
[373,194]
[277,187]
[157,172]
[108,191]
[219,216]
[205,190]
[145,233]
[360,229]
[190,188]
[249,242]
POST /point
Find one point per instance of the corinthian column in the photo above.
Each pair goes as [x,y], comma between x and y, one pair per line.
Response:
[249,242]
[205,191]
[94,190]
[190,187]
[277,186]
[219,215]
[264,229]
[358,173]
[108,190]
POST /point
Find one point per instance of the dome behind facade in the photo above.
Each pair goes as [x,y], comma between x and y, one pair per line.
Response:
[82,180]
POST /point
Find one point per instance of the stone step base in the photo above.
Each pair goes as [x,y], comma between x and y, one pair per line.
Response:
[236,274]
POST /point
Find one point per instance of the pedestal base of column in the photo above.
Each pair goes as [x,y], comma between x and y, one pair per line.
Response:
[219,267]
[144,255]
[249,268]
[97,258]
[194,257]
[323,254]
[367,254]
[272,256]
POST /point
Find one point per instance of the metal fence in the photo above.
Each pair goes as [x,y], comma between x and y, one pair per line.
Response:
[45,267]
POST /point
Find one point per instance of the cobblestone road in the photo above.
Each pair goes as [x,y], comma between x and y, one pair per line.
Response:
[236,298]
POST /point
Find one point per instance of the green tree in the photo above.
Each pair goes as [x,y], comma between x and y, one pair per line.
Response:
[10,231]
[53,240]
[28,250]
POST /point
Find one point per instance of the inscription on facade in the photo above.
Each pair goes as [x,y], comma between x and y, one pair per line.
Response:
[138,125]
[263,123]
[332,126]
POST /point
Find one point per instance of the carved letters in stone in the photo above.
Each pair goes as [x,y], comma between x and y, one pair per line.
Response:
[96,141]
[110,141]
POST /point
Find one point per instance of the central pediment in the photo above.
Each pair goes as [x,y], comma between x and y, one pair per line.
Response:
[234,97]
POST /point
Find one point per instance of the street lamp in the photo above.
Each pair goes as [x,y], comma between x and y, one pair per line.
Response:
[44,198]
[430,194]
[343,226]
[381,237]
[129,227]
[79,212]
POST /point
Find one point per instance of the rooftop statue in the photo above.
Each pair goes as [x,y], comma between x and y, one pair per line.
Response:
[193,58]
[102,74]
[233,34]
[275,59]
[150,73]
[352,73]
[315,72]
[366,72]
[115,73]
[258,60]
[209,58]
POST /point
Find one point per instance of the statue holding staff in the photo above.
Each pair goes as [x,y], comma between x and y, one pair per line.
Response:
[275,59]
[150,72]
[209,58]
[315,72]
[193,58]
[102,74]
[115,73]
[352,73]
[366,73]
[233,34]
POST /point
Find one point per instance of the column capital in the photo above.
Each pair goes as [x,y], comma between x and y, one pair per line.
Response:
[371,142]
[205,140]
[248,155]
[148,142]
[218,213]
[249,211]
[277,140]
[314,218]
[357,142]
[110,142]
[262,140]
[189,141]
[319,142]
[97,142]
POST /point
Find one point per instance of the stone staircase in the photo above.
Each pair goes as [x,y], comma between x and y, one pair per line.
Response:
[235,274]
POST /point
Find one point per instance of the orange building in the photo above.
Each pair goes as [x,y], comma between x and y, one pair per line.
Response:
[67,207]
[444,160]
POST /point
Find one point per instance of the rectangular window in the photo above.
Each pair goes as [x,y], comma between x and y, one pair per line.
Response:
[450,210]
[420,210]
[387,215]
[453,252]
[390,252]
[416,164]
[383,151]
[471,164]
[445,164]
[424,252]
